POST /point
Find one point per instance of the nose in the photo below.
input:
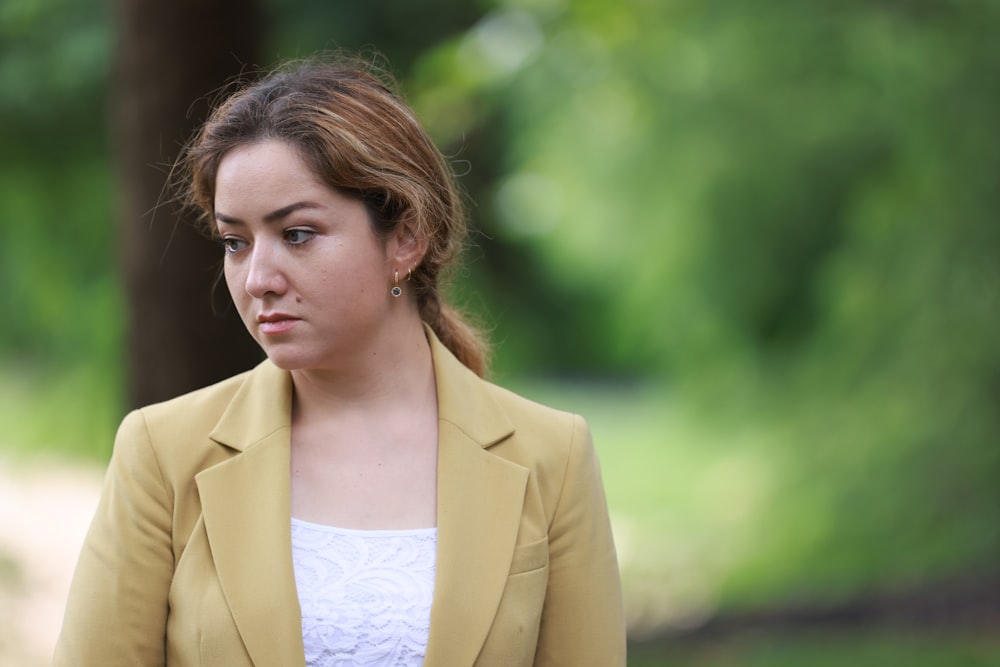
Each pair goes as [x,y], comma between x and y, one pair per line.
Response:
[264,273]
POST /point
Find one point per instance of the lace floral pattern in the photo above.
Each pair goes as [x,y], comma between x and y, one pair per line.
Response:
[365,595]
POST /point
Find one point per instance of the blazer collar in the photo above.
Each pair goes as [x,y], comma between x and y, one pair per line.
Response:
[261,406]
[246,507]
[479,503]
[463,399]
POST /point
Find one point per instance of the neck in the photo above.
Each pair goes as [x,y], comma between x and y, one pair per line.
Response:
[391,373]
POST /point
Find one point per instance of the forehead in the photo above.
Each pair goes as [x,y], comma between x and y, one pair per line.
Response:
[269,181]
[262,161]
[266,170]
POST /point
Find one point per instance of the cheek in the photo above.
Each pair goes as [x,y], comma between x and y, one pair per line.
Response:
[235,279]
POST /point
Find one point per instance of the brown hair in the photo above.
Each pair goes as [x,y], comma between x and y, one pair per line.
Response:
[353,129]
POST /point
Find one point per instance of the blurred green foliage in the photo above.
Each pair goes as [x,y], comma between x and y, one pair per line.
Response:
[62,328]
[765,232]
[57,240]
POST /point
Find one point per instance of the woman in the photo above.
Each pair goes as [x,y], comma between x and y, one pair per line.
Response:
[362,497]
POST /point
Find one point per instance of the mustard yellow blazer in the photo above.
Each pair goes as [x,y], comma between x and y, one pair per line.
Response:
[188,560]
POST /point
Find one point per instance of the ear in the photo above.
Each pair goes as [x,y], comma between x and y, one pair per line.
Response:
[405,248]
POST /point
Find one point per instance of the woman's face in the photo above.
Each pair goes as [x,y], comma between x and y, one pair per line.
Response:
[307,273]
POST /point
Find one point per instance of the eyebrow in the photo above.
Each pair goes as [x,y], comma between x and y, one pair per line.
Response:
[273,216]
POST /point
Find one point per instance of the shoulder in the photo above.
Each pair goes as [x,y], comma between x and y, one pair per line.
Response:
[177,435]
[547,440]
[537,418]
[196,408]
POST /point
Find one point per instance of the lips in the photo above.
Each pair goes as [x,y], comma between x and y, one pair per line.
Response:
[275,323]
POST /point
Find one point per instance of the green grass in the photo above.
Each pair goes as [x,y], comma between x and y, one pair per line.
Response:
[859,648]
[716,511]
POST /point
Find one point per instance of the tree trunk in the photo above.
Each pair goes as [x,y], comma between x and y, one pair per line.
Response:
[171,56]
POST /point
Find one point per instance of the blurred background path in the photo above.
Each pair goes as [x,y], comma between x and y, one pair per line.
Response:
[44,514]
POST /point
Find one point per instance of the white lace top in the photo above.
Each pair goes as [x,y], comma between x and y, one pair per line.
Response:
[365,594]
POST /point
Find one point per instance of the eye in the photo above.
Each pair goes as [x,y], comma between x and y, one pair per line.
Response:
[298,236]
[232,245]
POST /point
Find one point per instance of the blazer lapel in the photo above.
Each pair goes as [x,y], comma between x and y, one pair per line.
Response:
[246,506]
[479,503]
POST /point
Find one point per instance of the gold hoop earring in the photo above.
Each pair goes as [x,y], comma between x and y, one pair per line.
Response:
[396,289]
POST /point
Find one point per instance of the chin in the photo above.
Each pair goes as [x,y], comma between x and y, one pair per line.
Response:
[287,361]
[283,364]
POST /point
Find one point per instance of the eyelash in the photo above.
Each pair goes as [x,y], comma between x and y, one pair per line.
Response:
[228,244]
[232,245]
[288,233]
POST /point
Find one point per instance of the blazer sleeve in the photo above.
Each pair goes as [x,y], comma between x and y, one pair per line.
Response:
[117,607]
[583,622]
